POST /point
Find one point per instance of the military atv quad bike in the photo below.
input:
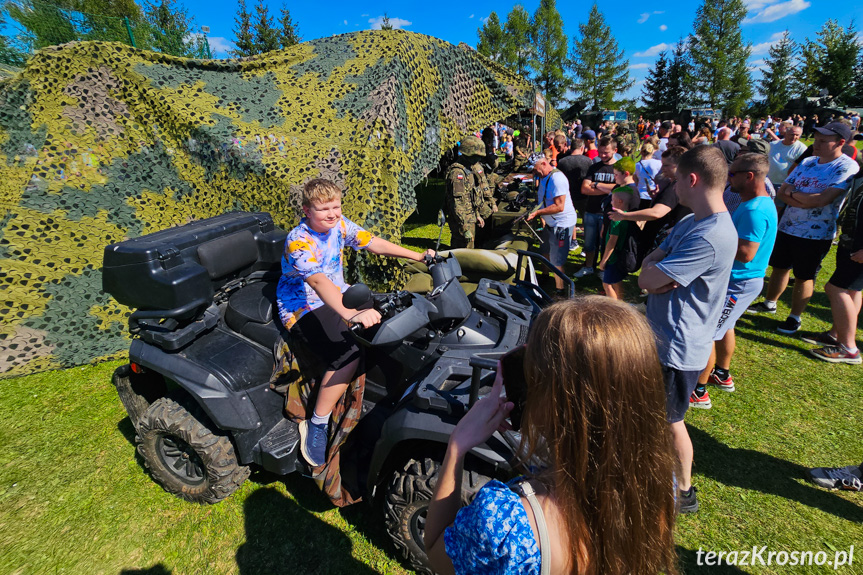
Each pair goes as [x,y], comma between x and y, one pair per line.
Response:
[204,331]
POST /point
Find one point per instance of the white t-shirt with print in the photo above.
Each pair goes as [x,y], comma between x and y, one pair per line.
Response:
[812,178]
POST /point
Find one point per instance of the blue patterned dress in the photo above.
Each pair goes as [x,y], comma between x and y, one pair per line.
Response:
[493,535]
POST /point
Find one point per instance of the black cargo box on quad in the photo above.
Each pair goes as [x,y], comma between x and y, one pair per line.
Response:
[178,270]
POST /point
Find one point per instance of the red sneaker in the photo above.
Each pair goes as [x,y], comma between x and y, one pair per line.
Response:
[700,401]
[723,384]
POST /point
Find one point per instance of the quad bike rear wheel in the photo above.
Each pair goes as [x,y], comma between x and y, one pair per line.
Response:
[185,457]
[406,507]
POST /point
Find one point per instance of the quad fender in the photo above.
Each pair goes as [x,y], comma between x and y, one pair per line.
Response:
[227,409]
[432,429]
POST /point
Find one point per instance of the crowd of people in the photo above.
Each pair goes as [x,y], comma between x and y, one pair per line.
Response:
[703,212]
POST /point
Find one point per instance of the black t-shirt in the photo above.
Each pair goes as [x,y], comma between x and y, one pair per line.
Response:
[729,148]
[601,174]
[575,169]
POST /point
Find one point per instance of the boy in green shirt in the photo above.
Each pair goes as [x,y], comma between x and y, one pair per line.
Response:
[624,198]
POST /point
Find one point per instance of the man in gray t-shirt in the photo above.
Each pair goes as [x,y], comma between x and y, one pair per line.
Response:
[687,277]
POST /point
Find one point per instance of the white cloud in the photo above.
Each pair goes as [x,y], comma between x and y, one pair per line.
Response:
[764,47]
[768,11]
[346,22]
[219,46]
[484,20]
[653,50]
[755,65]
[645,15]
[364,15]
[641,66]
[663,27]
[471,16]
[397,23]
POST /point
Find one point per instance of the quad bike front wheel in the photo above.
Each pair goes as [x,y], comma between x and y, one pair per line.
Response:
[406,506]
[185,457]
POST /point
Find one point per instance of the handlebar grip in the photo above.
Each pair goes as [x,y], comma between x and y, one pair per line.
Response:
[356,328]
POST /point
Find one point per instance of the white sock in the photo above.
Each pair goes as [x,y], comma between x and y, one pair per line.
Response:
[794,317]
[850,350]
[321,419]
[769,303]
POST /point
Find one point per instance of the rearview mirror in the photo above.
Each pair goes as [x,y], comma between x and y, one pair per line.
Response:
[356,296]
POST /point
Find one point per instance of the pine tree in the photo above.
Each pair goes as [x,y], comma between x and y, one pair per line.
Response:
[491,39]
[805,76]
[385,23]
[550,43]
[244,39]
[776,81]
[600,68]
[518,51]
[266,35]
[679,77]
[654,92]
[289,32]
[839,50]
[719,55]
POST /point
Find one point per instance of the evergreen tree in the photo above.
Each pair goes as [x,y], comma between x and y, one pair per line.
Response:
[719,55]
[385,23]
[776,82]
[244,39]
[266,35]
[829,62]
[679,77]
[600,68]
[550,43]
[654,92]
[518,51]
[840,50]
[289,32]
[491,39]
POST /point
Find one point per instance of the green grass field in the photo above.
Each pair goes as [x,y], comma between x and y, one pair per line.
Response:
[74,498]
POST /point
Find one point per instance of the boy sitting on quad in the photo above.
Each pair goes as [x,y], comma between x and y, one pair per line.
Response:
[309,297]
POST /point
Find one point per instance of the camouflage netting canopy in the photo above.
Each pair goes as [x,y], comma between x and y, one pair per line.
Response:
[100,142]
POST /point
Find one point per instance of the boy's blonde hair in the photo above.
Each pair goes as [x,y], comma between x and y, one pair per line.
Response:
[321,191]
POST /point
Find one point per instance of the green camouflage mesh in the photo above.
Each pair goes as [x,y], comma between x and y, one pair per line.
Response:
[100,142]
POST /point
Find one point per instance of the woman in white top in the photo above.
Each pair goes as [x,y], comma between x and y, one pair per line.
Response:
[646,171]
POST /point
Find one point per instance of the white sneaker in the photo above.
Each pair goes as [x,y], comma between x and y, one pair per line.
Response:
[585,271]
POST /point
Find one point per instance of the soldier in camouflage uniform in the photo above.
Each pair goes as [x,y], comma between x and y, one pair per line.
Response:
[469,197]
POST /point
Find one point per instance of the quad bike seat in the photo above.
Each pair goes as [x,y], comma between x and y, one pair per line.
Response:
[251,313]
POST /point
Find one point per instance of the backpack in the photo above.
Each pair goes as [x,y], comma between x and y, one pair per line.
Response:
[630,257]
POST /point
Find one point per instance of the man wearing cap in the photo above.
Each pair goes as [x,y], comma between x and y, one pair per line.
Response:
[813,193]
[589,137]
[783,153]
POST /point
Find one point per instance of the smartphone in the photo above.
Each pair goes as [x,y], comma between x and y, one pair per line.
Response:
[512,364]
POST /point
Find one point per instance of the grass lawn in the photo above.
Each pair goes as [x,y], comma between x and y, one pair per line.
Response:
[74,498]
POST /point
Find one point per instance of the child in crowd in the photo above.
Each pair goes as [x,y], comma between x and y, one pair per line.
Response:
[623,198]
[309,299]
[507,148]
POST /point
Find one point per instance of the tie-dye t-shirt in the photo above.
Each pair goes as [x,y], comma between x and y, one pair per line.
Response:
[307,253]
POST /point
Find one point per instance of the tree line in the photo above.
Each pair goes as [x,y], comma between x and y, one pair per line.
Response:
[708,67]
[160,25]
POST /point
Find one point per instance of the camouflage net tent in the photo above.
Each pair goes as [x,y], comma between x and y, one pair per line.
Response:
[100,142]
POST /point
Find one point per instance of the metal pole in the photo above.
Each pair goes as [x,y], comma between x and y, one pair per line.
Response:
[129,30]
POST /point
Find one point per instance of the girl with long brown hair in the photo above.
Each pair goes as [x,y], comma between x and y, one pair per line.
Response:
[606,494]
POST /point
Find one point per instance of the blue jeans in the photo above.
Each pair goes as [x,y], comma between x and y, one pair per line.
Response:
[592,228]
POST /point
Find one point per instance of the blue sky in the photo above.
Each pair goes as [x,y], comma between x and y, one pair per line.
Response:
[642,29]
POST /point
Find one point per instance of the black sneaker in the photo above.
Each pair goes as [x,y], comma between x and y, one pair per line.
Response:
[687,503]
[761,307]
[789,326]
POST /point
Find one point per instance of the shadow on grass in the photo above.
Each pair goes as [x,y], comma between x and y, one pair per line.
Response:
[758,471]
[282,537]
[157,569]
[689,564]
